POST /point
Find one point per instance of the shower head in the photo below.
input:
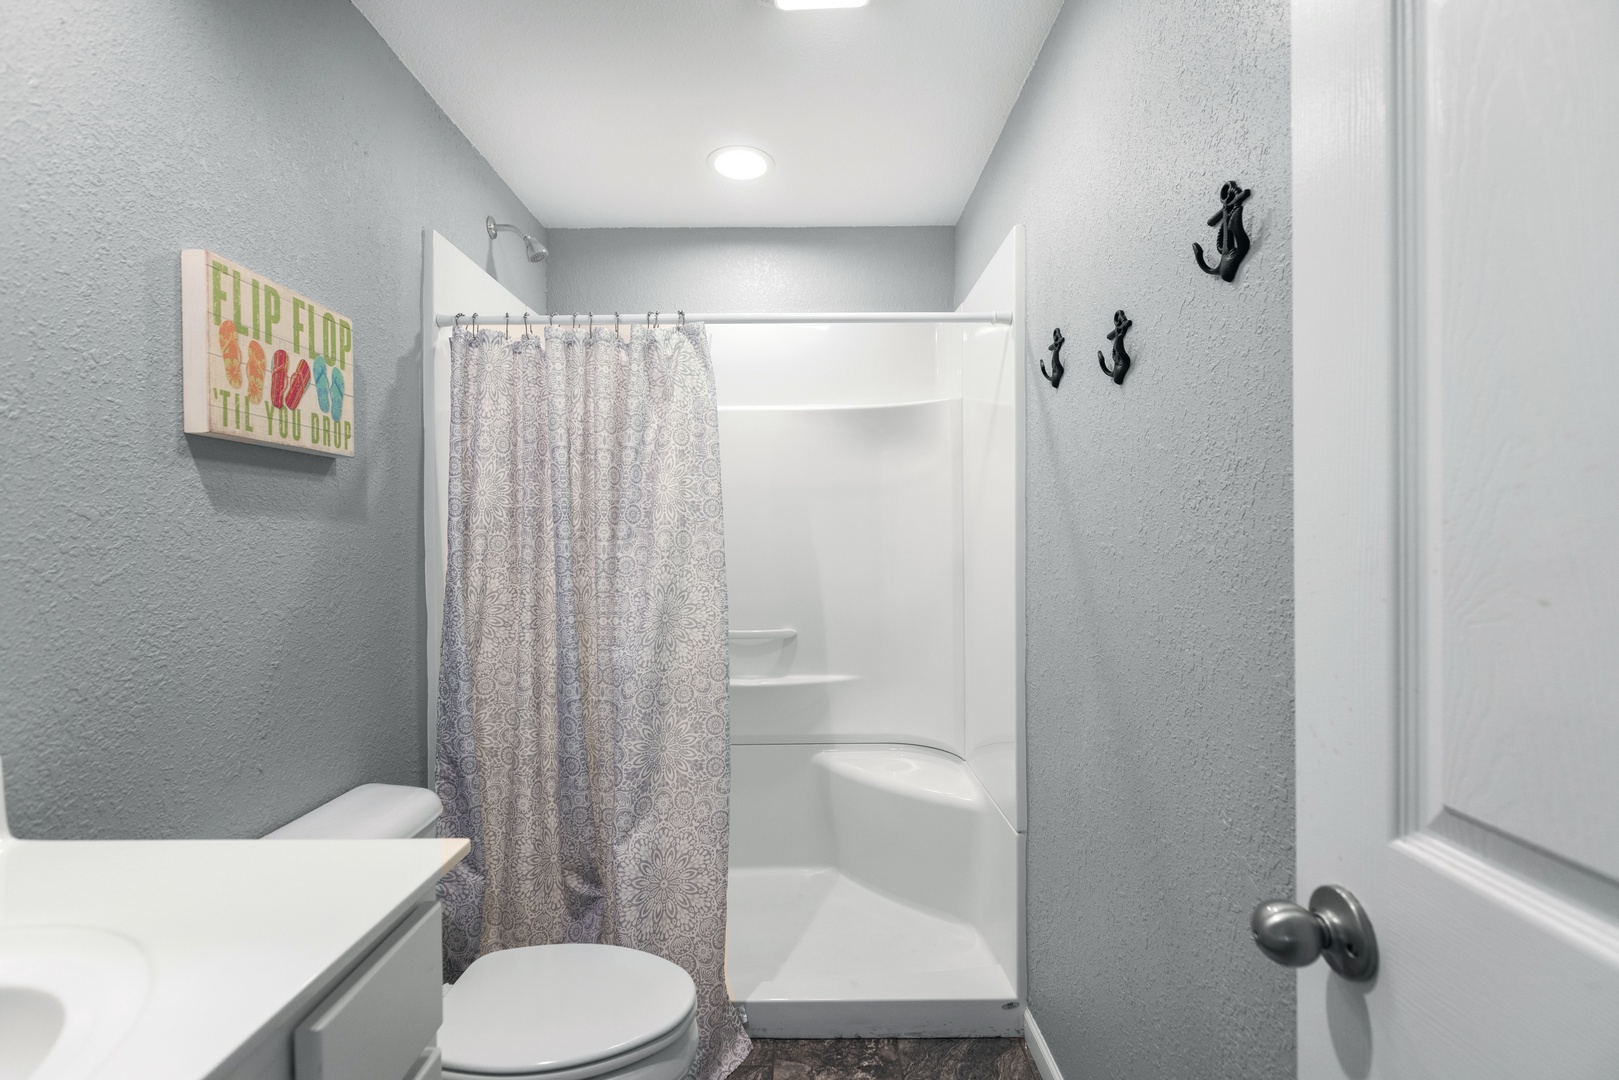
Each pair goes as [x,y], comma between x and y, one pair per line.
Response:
[536,250]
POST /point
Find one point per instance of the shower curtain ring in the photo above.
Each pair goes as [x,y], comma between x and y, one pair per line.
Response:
[615,324]
[550,318]
[683,320]
[576,320]
[590,327]
[458,316]
[474,322]
[525,322]
[649,320]
[508,326]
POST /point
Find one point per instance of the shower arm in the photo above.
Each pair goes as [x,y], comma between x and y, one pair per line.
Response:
[536,250]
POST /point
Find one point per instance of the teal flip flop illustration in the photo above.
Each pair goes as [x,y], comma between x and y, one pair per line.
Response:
[336,392]
[322,394]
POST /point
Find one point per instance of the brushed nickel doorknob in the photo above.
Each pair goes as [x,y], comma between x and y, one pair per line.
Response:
[1334,926]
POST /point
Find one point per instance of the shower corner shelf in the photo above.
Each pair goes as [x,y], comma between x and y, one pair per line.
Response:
[788,680]
[783,634]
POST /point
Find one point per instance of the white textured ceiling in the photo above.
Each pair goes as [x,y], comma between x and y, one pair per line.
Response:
[604,112]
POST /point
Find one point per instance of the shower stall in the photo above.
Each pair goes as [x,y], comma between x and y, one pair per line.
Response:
[873,540]
[872,480]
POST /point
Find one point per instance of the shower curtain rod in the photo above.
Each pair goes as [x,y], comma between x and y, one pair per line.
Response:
[487,319]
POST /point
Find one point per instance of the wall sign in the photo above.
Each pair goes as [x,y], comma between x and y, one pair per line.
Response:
[263,364]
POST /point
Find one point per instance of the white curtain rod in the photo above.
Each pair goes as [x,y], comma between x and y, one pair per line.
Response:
[488,319]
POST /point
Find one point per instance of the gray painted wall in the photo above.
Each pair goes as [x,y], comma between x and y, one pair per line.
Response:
[852,269]
[1159,535]
[202,638]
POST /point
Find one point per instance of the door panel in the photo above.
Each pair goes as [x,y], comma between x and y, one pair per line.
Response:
[1521,130]
[1456,443]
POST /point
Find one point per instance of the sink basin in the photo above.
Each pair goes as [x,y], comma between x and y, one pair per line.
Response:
[30,1021]
[68,995]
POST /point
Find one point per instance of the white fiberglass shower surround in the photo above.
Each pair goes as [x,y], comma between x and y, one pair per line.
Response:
[873,548]
[872,479]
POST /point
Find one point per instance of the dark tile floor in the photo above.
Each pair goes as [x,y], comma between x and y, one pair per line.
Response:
[887,1059]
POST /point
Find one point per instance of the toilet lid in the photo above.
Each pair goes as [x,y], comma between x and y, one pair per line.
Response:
[549,1007]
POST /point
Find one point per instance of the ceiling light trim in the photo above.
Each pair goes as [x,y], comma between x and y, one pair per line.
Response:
[819,5]
[739,162]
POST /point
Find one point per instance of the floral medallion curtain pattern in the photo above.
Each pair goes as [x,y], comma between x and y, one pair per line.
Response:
[583,735]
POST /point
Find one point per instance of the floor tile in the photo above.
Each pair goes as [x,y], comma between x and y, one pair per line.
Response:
[835,1059]
[762,1054]
[887,1059]
[966,1059]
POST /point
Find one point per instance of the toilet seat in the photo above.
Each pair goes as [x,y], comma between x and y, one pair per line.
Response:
[567,1012]
[668,1059]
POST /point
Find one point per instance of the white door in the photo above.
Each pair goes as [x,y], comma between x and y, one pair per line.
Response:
[1456,434]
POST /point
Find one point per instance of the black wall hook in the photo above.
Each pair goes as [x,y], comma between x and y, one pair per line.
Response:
[1121,359]
[1054,376]
[1231,239]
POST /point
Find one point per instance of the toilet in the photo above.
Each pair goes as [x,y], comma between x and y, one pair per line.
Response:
[545,1012]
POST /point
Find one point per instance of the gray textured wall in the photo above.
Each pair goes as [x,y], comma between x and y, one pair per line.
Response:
[853,269]
[202,638]
[1159,535]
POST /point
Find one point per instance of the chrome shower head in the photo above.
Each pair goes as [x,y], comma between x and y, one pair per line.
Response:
[536,250]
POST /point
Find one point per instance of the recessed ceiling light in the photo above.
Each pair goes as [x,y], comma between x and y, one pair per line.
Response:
[740,162]
[816,5]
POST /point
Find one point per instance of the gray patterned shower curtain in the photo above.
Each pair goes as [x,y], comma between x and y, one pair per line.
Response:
[583,736]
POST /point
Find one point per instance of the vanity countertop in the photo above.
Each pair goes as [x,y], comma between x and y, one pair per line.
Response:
[237,936]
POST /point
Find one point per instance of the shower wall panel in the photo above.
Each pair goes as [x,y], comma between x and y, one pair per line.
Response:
[842,524]
[840,451]
[872,541]
[843,364]
[989,360]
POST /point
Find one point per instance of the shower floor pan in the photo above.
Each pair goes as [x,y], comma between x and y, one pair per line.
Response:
[813,953]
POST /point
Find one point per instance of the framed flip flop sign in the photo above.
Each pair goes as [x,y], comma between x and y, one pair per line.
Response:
[263,364]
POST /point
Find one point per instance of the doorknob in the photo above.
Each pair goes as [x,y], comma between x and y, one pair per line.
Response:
[1335,926]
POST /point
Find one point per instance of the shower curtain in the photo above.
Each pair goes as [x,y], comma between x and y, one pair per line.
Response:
[584,746]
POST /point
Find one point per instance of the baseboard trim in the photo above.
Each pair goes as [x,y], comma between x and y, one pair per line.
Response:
[882,1019]
[1038,1049]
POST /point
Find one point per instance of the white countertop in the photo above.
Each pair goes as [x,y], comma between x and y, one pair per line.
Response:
[236,934]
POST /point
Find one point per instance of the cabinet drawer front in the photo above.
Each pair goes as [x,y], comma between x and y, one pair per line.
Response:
[378,1021]
[430,1067]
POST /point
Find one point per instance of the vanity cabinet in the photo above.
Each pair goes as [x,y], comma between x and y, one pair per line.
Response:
[374,1018]
[231,959]
[382,1020]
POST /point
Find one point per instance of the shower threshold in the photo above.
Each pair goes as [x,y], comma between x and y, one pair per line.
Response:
[813,953]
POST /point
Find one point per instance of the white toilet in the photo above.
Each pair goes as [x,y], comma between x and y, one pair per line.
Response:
[548,1012]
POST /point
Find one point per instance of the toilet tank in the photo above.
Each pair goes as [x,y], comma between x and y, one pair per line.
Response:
[368,812]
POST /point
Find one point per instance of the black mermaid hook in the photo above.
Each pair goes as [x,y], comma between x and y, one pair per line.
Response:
[1232,239]
[1121,359]
[1054,376]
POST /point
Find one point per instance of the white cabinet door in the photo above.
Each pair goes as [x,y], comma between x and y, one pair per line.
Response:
[1456,439]
[382,1020]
